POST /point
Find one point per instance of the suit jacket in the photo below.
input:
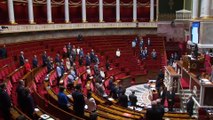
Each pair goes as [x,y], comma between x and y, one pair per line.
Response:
[133,99]
[153,114]
[171,97]
[44,59]
[5,102]
[79,103]
[21,60]
[189,106]
[123,101]
[35,63]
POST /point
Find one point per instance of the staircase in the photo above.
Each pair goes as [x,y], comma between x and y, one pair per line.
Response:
[185,94]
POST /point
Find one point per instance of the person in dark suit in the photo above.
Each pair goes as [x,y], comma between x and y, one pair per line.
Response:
[57,58]
[160,108]
[92,56]
[5,102]
[35,62]
[49,65]
[123,99]
[62,99]
[153,113]
[79,102]
[189,106]
[28,99]
[88,60]
[162,94]
[44,58]
[133,99]
[3,51]
[20,94]
[21,58]
[171,99]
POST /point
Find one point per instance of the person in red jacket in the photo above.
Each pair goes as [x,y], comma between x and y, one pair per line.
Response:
[27,66]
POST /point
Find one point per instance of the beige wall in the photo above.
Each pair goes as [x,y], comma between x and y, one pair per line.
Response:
[23,37]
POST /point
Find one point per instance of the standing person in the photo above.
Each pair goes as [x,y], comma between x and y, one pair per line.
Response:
[29,103]
[79,101]
[141,43]
[27,66]
[154,54]
[58,73]
[160,108]
[62,99]
[123,99]
[162,94]
[92,56]
[189,106]
[57,58]
[3,52]
[49,65]
[148,42]
[88,60]
[170,99]
[35,61]
[20,94]
[68,65]
[44,58]
[118,53]
[21,58]
[90,101]
[153,113]
[5,102]
[133,99]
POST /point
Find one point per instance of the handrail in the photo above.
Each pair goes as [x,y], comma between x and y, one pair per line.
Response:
[196,102]
[184,95]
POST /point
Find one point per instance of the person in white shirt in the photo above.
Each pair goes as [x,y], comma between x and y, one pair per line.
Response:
[154,54]
[102,73]
[118,53]
[148,42]
[78,50]
[91,104]
[88,70]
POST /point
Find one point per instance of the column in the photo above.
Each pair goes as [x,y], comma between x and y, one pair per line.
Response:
[49,12]
[195,9]
[11,11]
[151,10]
[157,9]
[117,10]
[134,10]
[205,8]
[66,11]
[84,14]
[30,12]
[100,10]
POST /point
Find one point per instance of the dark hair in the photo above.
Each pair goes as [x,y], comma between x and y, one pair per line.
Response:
[61,88]
[78,87]
[89,94]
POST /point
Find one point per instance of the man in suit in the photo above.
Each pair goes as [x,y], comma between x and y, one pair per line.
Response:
[30,106]
[21,58]
[59,72]
[57,58]
[92,56]
[5,102]
[3,51]
[153,113]
[160,107]
[44,58]
[133,99]
[20,94]
[171,99]
[189,106]
[35,62]
[123,99]
[162,94]
[88,60]
[79,102]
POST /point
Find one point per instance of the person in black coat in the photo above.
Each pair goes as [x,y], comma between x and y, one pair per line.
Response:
[189,106]
[5,102]
[162,94]
[21,58]
[160,108]
[20,90]
[133,99]
[35,62]
[44,58]
[28,99]
[3,51]
[171,99]
[153,113]
[79,102]
[123,99]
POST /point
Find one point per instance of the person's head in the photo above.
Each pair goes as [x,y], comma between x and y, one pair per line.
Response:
[3,86]
[133,92]
[153,50]
[35,56]
[26,60]
[78,87]
[118,49]
[45,52]
[21,82]
[22,53]
[89,94]
[61,89]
